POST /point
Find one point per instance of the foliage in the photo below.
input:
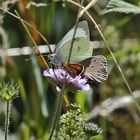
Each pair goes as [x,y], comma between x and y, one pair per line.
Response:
[109,105]
[121,7]
[72,125]
[9,91]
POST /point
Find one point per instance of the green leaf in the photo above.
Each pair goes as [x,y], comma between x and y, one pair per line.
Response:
[120,6]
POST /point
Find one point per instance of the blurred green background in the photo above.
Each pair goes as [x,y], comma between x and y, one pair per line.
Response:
[110,104]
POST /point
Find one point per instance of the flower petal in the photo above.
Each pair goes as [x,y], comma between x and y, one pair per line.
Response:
[61,76]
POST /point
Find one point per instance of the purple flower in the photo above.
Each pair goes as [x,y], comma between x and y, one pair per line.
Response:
[59,77]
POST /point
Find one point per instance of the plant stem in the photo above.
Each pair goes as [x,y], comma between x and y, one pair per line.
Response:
[57,114]
[74,33]
[7,119]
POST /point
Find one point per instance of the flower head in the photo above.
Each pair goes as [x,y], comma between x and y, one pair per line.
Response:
[73,124]
[60,76]
[9,90]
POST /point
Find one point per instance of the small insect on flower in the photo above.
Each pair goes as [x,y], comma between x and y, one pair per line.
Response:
[60,77]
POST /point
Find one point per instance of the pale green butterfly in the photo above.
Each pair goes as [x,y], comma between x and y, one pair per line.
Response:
[93,67]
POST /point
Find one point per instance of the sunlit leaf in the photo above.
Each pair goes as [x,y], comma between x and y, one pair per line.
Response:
[120,6]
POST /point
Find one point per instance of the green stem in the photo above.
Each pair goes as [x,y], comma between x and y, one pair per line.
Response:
[7,119]
[76,26]
[57,114]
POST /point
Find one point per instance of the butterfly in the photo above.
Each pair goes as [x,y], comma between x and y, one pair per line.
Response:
[81,60]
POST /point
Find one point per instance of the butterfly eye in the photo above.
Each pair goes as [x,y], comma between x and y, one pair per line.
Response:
[51,56]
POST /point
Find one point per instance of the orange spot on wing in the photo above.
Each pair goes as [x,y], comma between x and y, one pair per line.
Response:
[75,68]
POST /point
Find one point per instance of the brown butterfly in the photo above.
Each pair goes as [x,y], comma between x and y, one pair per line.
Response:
[95,68]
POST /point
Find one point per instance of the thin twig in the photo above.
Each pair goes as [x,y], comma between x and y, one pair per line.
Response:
[30,25]
[75,29]
[7,119]
[58,110]
[42,58]
[87,7]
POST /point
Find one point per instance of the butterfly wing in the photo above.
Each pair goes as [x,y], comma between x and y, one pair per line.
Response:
[82,47]
[82,31]
[96,68]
